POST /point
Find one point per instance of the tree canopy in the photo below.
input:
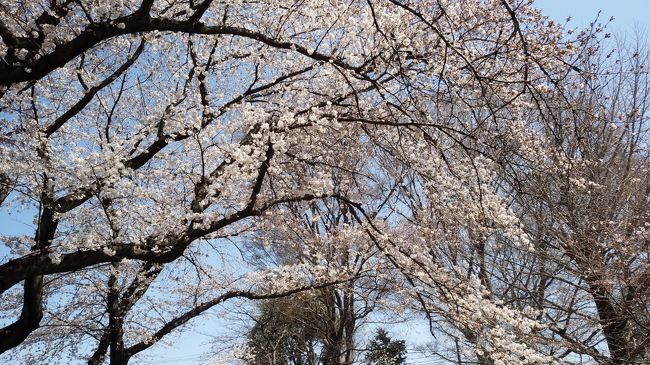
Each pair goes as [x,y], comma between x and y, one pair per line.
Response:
[469,162]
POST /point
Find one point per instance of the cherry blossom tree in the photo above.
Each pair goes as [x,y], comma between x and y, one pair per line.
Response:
[146,136]
[583,199]
[589,214]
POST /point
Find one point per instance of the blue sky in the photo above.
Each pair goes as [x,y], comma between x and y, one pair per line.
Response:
[629,15]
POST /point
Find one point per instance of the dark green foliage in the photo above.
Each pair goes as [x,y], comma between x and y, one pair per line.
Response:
[382,350]
[285,333]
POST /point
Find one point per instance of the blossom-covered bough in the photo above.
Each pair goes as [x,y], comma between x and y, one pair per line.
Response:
[146,137]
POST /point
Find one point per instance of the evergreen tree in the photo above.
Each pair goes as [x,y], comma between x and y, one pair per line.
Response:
[382,350]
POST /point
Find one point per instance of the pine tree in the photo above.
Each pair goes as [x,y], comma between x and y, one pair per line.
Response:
[382,350]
